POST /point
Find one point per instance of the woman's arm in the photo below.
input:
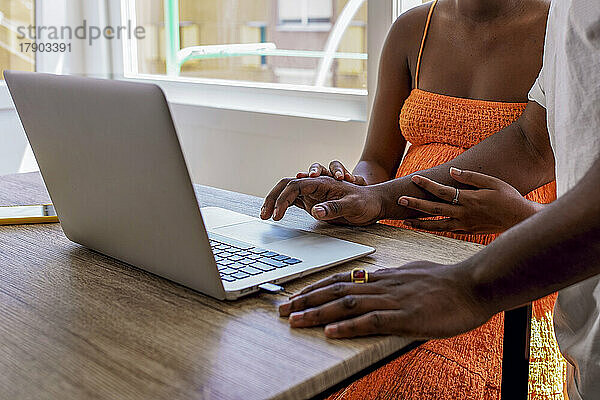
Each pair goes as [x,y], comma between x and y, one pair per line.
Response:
[520,155]
[385,145]
[556,248]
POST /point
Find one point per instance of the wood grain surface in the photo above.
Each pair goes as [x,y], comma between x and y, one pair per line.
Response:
[75,324]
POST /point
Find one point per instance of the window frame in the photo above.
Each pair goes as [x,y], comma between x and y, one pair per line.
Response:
[310,102]
[333,104]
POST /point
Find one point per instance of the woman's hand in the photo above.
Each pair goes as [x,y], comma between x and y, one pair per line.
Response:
[493,207]
[421,300]
[336,170]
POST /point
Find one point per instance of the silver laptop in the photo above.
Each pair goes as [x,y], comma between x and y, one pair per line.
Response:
[111,160]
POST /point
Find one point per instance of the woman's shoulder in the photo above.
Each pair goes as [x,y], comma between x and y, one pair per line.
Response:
[416,14]
[406,33]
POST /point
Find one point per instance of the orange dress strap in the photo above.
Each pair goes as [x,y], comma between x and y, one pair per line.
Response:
[423,42]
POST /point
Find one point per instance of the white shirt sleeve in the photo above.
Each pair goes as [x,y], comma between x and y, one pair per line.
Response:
[537,92]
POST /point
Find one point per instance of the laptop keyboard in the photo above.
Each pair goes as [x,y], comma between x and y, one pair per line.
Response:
[238,260]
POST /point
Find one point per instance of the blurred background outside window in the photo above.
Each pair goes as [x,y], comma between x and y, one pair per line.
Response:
[14,14]
[319,43]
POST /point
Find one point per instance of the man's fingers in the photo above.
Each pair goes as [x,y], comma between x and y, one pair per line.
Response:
[440,191]
[341,309]
[476,179]
[344,277]
[327,211]
[327,294]
[430,207]
[333,209]
[269,204]
[373,323]
[330,280]
[300,204]
[290,193]
[440,225]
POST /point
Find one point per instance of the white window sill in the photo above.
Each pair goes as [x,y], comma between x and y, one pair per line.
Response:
[342,105]
[299,27]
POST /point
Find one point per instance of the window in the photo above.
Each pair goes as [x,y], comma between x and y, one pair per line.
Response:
[304,12]
[401,6]
[16,15]
[305,43]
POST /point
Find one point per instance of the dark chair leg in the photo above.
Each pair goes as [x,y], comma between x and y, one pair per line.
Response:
[515,360]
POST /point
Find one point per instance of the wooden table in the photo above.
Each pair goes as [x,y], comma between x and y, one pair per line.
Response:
[75,324]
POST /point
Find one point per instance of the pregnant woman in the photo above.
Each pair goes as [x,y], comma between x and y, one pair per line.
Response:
[456,71]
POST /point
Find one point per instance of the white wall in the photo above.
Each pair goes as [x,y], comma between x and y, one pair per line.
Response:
[249,152]
[13,143]
[240,151]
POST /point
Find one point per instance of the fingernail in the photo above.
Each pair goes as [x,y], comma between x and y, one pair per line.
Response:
[284,308]
[296,317]
[331,330]
[416,179]
[339,175]
[320,212]
[455,171]
[275,212]
[403,202]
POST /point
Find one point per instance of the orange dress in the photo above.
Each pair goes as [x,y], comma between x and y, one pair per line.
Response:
[468,366]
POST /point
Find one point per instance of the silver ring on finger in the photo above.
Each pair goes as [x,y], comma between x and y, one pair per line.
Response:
[456,197]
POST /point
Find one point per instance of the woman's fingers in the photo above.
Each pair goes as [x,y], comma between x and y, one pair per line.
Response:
[440,191]
[429,207]
[360,181]
[314,171]
[476,179]
[336,170]
[339,172]
[317,170]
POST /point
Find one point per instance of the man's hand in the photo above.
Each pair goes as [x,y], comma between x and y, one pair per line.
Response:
[494,207]
[326,199]
[421,300]
[336,170]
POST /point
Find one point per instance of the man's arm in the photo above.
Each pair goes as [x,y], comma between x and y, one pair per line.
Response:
[520,155]
[558,247]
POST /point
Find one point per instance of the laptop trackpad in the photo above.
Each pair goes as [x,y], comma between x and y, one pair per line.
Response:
[257,232]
